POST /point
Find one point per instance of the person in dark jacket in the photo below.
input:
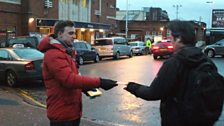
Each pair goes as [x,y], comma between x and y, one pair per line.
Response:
[171,76]
[61,77]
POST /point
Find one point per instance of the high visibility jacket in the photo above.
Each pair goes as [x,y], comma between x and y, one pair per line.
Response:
[149,43]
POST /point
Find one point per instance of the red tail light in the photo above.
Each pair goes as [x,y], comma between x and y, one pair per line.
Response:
[29,66]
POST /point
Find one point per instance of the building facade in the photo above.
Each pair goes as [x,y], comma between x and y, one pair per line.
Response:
[150,23]
[156,14]
[104,11]
[37,17]
[156,30]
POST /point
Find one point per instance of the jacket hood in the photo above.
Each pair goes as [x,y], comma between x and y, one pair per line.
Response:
[48,43]
[190,55]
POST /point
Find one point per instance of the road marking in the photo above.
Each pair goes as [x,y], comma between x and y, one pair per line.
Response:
[25,94]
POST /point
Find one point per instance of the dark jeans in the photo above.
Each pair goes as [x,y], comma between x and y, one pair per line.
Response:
[66,123]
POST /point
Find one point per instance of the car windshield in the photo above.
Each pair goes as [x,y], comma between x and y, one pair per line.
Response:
[27,41]
[28,53]
[133,44]
[103,42]
[220,41]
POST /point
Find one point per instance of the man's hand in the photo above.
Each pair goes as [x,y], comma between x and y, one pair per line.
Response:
[132,87]
[107,84]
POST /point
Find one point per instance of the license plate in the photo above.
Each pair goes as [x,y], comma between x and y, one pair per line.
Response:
[102,48]
[163,49]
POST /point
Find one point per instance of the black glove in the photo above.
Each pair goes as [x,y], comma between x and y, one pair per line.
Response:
[107,84]
[132,87]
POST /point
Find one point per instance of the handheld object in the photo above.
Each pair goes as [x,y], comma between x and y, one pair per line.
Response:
[95,92]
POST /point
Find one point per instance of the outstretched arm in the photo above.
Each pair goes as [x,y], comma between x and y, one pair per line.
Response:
[161,87]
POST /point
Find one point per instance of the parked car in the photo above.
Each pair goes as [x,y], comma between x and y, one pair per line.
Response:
[85,52]
[215,49]
[20,64]
[113,47]
[27,41]
[162,48]
[139,47]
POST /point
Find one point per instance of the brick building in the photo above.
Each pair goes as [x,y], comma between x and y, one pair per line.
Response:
[154,29]
[150,23]
[31,17]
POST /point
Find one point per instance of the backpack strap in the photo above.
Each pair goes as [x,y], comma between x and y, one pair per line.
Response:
[205,66]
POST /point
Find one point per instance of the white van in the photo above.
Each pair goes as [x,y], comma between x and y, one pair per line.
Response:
[112,47]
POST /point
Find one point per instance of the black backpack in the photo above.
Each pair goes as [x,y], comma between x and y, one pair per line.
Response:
[202,96]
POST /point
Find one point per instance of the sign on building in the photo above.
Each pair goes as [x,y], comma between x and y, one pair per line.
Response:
[218,18]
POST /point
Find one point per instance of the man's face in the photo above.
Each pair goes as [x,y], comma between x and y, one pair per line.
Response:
[68,35]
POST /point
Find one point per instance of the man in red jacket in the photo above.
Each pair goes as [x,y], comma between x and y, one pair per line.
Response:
[62,79]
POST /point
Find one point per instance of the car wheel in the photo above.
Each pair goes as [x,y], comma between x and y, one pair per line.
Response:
[131,54]
[155,57]
[210,53]
[11,78]
[97,59]
[81,61]
[117,56]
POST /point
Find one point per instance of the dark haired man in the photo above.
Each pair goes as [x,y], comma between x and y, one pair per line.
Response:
[172,76]
[61,77]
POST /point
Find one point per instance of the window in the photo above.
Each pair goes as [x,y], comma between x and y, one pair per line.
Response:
[28,53]
[141,44]
[4,55]
[83,46]
[89,46]
[103,42]
[11,1]
[26,41]
[80,45]
[77,45]
[133,44]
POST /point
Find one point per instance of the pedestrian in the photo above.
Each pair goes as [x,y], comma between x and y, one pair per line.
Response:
[148,45]
[171,80]
[61,77]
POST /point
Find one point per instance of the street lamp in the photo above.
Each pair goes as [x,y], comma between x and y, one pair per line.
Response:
[177,10]
[161,30]
[31,19]
[210,20]
[126,23]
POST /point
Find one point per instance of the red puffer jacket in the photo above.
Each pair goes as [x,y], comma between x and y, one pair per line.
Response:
[63,82]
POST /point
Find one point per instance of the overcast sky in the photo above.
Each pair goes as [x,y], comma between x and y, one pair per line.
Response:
[189,10]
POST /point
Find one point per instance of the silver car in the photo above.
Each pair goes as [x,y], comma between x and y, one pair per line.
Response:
[139,47]
[215,49]
[112,47]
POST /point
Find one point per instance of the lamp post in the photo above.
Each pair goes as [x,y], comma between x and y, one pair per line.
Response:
[210,20]
[177,10]
[126,22]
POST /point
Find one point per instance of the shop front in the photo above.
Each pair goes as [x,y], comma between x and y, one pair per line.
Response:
[84,31]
